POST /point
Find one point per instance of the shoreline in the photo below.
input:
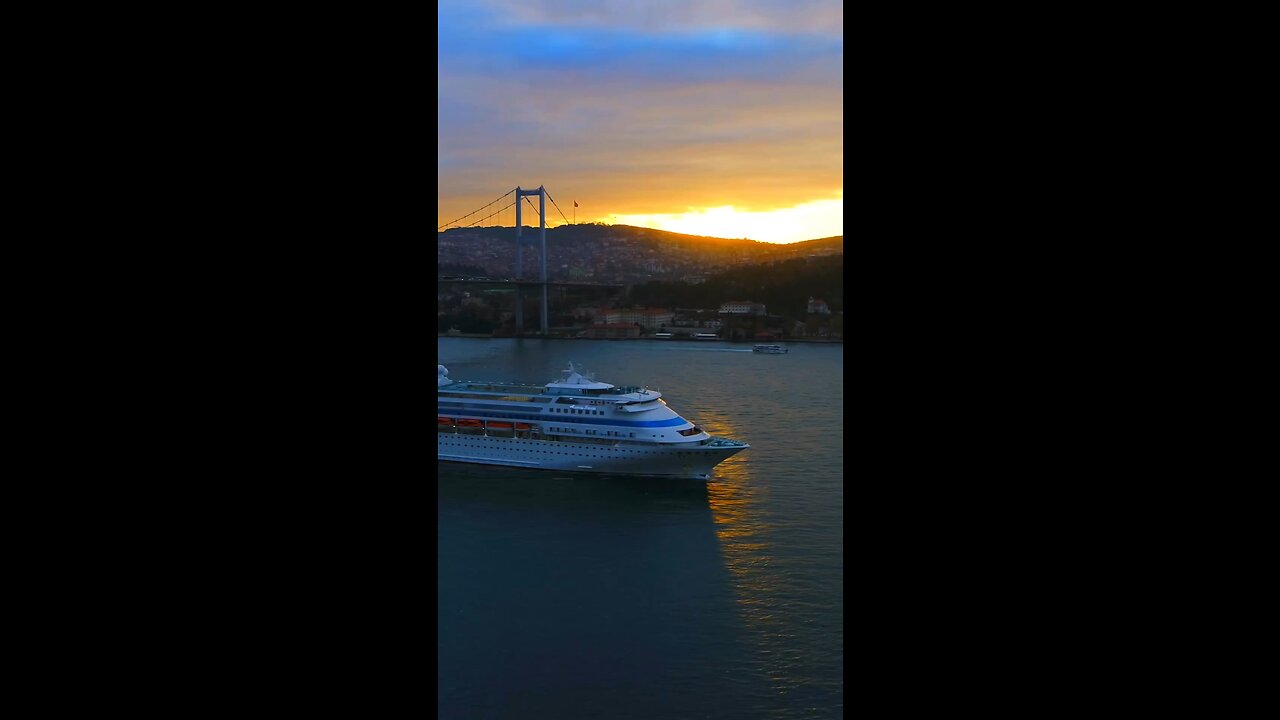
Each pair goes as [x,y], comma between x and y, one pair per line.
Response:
[483,336]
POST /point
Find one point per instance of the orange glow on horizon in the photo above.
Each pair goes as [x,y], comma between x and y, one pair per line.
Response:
[807,221]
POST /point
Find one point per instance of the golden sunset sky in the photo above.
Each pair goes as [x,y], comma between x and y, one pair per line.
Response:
[708,117]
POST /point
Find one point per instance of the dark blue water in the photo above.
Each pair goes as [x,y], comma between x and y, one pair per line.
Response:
[566,595]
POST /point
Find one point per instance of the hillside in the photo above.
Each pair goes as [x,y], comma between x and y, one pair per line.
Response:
[783,286]
[616,253]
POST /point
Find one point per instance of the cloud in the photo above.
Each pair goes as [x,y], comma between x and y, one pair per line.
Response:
[645,108]
[676,16]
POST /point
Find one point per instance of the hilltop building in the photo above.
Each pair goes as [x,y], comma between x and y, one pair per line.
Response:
[741,307]
[818,307]
[651,318]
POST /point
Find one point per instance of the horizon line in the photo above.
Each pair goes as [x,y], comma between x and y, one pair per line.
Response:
[643,227]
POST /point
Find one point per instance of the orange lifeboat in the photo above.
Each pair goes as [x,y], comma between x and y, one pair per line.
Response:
[495,425]
[523,426]
[468,423]
[443,420]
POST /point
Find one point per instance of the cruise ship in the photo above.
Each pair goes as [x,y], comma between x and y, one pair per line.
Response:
[575,424]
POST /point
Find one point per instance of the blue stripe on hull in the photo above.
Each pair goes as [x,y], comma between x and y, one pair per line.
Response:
[488,411]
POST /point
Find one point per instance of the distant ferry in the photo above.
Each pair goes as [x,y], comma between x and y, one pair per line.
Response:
[771,349]
[572,424]
[662,335]
[705,336]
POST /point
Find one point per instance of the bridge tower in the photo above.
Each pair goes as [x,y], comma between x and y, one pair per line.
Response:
[541,192]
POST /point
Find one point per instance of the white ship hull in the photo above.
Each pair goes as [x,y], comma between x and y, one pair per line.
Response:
[683,460]
[575,424]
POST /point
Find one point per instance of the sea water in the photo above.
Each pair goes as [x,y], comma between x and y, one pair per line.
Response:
[577,595]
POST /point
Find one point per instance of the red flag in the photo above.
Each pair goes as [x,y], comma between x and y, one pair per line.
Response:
[575,203]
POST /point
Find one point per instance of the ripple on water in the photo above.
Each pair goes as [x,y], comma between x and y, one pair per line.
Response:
[717,599]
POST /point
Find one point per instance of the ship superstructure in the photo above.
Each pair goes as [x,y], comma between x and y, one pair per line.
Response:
[574,423]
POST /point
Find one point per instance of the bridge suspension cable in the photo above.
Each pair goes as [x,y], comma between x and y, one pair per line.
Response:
[557,206]
[473,212]
[486,217]
[535,210]
[505,207]
[553,202]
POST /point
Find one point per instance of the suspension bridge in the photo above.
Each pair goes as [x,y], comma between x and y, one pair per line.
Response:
[541,284]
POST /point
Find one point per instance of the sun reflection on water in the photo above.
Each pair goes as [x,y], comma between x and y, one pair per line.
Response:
[735,498]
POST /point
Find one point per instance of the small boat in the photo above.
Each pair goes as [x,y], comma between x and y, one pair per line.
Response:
[523,426]
[770,349]
[443,420]
[496,425]
[469,423]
